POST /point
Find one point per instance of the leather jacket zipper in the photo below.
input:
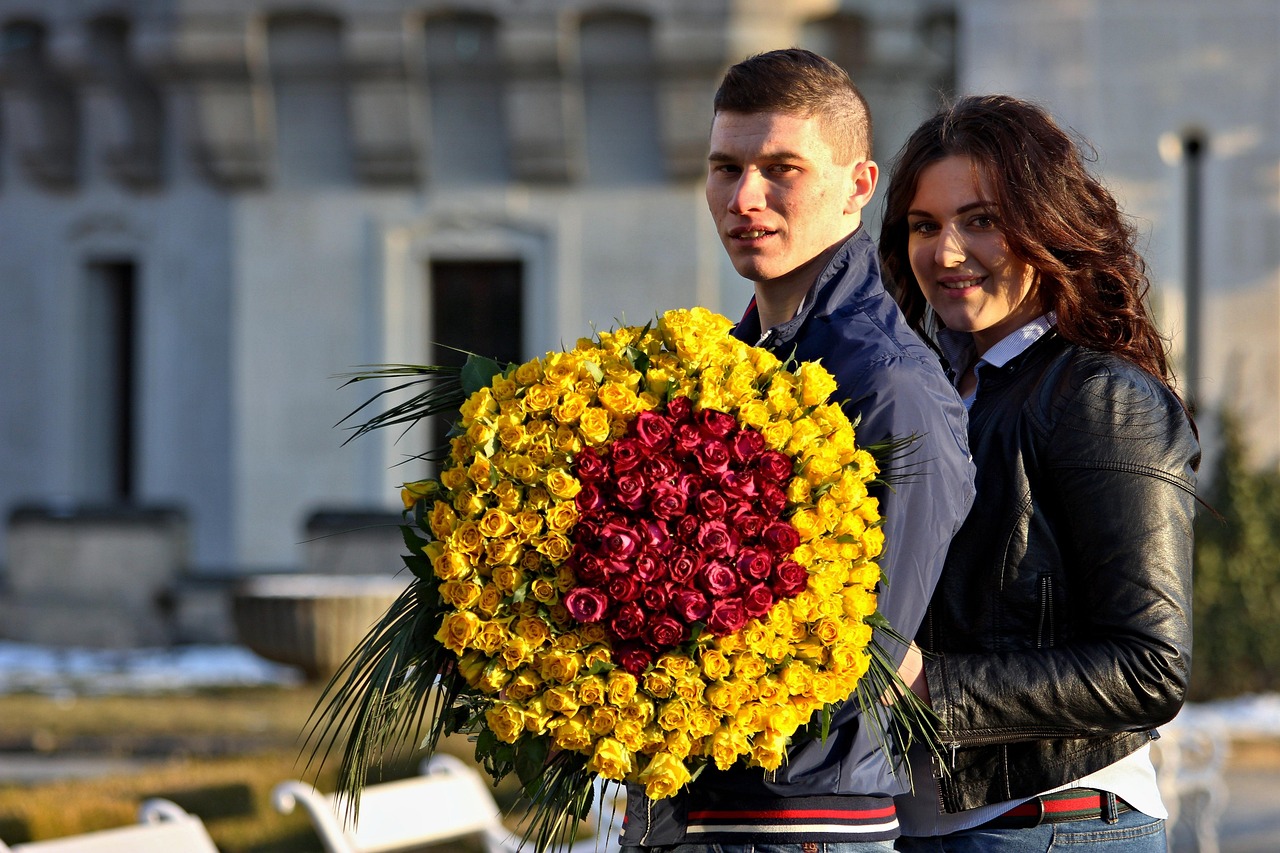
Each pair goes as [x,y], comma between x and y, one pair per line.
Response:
[1044,636]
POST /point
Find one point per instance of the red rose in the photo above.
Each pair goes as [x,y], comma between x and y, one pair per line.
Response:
[718,579]
[589,499]
[589,570]
[772,500]
[727,616]
[738,484]
[683,566]
[715,539]
[665,632]
[679,408]
[746,445]
[789,579]
[661,469]
[713,456]
[690,605]
[586,604]
[754,564]
[712,505]
[656,597]
[667,501]
[758,600]
[633,657]
[653,431]
[648,569]
[780,537]
[628,622]
[746,519]
[655,538]
[618,542]
[624,587]
[774,467]
[687,529]
[625,454]
[686,439]
[629,490]
[715,424]
[589,466]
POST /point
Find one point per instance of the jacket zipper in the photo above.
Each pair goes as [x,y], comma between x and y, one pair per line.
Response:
[1044,636]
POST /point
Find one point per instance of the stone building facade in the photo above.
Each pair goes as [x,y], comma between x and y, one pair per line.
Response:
[210,209]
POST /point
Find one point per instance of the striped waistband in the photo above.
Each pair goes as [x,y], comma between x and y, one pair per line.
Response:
[795,820]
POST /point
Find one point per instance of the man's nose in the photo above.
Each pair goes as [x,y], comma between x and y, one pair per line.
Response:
[749,193]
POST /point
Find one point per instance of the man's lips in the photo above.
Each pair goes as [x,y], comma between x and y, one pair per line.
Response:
[748,233]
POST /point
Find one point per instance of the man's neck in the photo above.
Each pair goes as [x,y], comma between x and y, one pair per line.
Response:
[778,300]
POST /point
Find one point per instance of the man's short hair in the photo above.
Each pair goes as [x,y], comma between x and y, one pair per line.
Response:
[802,83]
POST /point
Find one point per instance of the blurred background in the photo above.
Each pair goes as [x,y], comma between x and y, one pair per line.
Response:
[211,210]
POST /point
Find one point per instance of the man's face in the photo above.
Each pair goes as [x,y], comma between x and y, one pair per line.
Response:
[780,201]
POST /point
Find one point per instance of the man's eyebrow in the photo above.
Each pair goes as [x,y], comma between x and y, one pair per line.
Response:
[771,156]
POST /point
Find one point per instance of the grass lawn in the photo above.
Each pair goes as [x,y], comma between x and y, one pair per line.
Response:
[216,753]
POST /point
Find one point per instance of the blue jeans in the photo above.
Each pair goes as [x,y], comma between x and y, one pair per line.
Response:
[817,847]
[1133,832]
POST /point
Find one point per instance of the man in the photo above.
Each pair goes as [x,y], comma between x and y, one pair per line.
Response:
[789,173]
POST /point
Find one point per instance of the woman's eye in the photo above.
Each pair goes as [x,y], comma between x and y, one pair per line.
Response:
[922,227]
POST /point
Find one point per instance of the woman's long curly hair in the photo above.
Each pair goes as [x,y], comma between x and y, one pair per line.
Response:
[1055,216]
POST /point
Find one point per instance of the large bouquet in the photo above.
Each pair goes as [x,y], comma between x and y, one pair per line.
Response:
[650,553]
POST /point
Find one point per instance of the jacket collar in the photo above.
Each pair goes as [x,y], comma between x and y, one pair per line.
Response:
[853,272]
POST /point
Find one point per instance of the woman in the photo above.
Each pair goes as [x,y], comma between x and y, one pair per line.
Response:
[1059,636]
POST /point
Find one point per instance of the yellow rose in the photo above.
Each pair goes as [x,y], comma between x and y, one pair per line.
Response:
[492,636]
[411,493]
[534,630]
[664,776]
[722,697]
[768,749]
[562,700]
[591,690]
[659,684]
[570,408]
[494,679]
[560,667]
[504,388]
[479,404]
[674,715]
[556,547]
[560,369]
[453,478]
[622,687]
[727,743]
[490,599]
[594,426]
[458,630]
[539,398]
[611,759]
[604,718]
[678,744]
[516,653]
[507,578]
[452,565]
[543,591]
[496,523]
[523,685]
[777,434]
[529,372]
[630,734]
[562,485]
[715,665]
[640,709]
[562,516]
[442,520]
[572,734]
[502,552]
[460,595]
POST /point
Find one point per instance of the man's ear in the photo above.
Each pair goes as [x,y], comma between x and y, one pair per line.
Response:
[865,175]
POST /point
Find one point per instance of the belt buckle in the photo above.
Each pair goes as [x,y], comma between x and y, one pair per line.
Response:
[1040,811]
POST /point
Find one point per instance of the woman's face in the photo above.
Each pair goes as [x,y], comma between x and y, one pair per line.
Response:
[960,258]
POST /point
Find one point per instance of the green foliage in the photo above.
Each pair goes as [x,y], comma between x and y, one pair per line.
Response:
[1237,576]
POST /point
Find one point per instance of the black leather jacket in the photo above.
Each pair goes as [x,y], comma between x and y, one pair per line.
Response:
[1062,624]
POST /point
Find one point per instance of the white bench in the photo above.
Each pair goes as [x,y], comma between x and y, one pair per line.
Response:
[164,827]
[449,801]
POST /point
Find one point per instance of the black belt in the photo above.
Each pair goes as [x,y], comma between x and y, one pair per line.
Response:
[1059,807]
